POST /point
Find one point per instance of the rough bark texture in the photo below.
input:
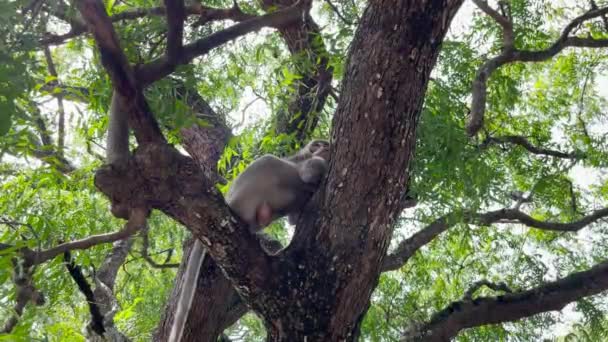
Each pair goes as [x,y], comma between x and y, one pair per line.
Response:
[321,285]
[216,300]
[392,56]
[319,288]
[340,252]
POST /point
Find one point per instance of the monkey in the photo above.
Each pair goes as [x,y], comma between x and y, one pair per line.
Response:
[268,189]
[273,187]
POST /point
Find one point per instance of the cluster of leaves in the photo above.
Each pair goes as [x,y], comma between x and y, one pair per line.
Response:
[43,208]
[556,104]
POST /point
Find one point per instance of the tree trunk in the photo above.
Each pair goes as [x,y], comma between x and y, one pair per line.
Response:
[327,275]
[319,288]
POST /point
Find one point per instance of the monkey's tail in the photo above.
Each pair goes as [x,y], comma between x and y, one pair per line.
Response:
[197,256]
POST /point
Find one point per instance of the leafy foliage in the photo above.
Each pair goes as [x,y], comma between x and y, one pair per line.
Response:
[558,104]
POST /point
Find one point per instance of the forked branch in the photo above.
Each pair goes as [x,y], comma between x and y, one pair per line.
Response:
[468,313]
[510,54]
[408,247]
[115,62]
[162,66]
[205,13]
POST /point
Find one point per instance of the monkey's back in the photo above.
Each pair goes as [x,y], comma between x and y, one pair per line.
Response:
[268,179]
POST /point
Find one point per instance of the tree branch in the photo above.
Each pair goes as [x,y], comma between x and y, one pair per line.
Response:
[301,115]
[299,119]
[68,92]
[161,177]
[510,54]
[162,67]
[84,287]
[61,10]
[214,292]
[523,142]
[105,278]
[504,21]
[60,109]
[196,9]
[47,151]
[147,257]
[208,13]
[25,292]
[115,62]
[338,13]
[175,29]
[409,246]
[211,14]
[493,286]
[38,257]
[373,137]
[604,17]
[447,323]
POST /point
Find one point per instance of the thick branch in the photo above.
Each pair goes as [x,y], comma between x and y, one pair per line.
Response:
[408,247]
[511,54]
[115,62]
[447,323]
[161,177]
[299,119]
[373,137]
[162,67]
[523,142]
[175,28]
[214,293]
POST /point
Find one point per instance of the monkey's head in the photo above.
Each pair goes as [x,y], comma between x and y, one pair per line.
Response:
[319,148]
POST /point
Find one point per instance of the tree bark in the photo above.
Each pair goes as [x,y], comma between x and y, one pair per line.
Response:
[214,296]
[332,266]
[319,288]
[216,305]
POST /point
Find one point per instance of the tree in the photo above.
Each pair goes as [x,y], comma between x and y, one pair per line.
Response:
[471,144]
